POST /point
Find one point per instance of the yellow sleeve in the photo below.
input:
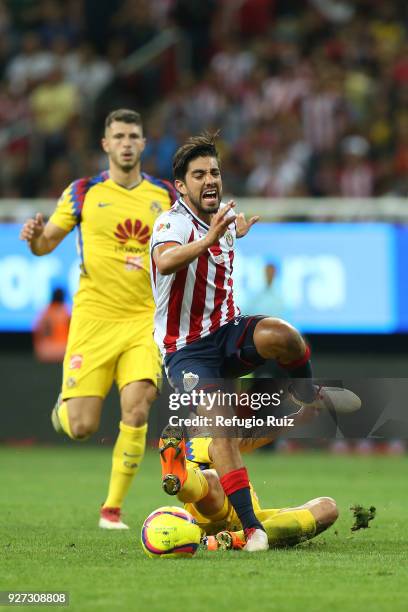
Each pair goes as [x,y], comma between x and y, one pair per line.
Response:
[66,215]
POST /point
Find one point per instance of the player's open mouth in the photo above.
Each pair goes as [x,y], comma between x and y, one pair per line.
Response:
[210,196]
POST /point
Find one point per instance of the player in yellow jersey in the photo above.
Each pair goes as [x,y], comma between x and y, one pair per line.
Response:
[191,462]
[111,333]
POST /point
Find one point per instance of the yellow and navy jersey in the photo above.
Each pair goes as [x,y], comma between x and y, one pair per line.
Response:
[114,227]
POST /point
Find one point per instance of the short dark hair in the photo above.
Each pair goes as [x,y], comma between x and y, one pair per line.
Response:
[196,146]
[125,115]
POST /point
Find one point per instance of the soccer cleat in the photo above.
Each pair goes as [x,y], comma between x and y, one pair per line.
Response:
[256,540]
[54,416]
[172,447]
[224,540]
[332,398]
[110,519]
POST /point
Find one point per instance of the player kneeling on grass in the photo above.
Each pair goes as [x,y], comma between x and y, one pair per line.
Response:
[203,496]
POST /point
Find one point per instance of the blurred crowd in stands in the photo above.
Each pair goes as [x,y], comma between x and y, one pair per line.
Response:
[311,96]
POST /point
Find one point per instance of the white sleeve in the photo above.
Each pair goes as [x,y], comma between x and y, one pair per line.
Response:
[170,227]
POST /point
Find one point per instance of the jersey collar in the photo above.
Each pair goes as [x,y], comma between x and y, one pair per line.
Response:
[188,209]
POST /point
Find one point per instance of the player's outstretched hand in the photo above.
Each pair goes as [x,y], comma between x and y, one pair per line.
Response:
[32,228]
[219,223]
[243,226]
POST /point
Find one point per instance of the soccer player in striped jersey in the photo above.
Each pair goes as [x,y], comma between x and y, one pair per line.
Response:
[110,337]
[198,327]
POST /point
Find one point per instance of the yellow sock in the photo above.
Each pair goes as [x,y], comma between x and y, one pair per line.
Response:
[127,456]
[287,528]
[64,420]
[195,486]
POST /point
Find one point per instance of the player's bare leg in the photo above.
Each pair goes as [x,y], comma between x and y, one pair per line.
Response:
[78,417]
[135,399]
[277,339]
[234,480]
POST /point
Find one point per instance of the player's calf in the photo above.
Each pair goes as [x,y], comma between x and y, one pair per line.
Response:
[214,502]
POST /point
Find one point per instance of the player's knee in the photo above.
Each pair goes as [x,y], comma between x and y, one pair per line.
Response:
[82,430]
[224,444]
[329,511]
[276,337]
[135,418]
[290,340]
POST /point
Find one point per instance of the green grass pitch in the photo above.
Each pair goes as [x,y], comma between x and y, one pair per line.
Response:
[49,539]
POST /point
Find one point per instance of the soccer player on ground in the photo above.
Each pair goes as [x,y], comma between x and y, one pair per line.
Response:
[204,497]
[197,325]
[111,330]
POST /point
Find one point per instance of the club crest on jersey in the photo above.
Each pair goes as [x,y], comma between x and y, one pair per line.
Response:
[75,362]
[156,207]
[229,239]
[132,229]
[190,380]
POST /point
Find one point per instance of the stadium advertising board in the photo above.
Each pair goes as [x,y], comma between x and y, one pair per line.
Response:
[330,278]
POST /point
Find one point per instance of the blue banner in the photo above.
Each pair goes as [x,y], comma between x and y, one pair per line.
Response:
[330,277]
[27,281]
[322,277]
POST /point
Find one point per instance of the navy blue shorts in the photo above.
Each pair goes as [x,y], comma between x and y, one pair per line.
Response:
[227,353]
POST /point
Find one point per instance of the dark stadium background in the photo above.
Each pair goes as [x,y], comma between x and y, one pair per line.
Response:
[312,101]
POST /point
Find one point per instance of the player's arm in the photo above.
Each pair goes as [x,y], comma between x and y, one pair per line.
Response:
[170,257]
[42,238]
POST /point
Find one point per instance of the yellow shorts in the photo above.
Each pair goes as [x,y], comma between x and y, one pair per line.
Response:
[100,352]
[230,523]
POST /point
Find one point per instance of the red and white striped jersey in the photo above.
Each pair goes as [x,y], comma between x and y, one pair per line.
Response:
[197,300]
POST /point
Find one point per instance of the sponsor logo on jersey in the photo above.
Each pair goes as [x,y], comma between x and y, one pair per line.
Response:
[190,380]
[133,262]
[103,204]
[129,229]
[163,226]
[219,259]
[70,382]
[75,362]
